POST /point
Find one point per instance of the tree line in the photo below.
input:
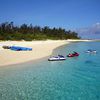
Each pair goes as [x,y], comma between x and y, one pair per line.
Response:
[8,31]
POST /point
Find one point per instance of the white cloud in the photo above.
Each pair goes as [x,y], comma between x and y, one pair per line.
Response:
[91,31]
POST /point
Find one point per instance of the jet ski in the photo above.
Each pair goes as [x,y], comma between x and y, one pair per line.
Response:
[57,58]
[75,54]
[91,51]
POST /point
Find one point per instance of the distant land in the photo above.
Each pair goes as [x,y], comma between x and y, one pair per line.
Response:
[9,31]
[92,32]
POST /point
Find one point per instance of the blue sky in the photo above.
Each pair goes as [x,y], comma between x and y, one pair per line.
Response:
[68,14]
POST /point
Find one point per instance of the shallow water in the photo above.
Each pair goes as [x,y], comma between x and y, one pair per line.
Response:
[74,79]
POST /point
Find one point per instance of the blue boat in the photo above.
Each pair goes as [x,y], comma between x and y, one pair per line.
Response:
[18,48]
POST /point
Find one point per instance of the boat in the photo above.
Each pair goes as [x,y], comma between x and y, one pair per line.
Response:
[6,47]
[75,54]
[91,51]
[57,58]
[19,48]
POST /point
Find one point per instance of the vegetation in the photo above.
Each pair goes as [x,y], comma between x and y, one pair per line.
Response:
[27,32]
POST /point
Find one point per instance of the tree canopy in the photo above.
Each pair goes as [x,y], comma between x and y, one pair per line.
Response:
[8,31]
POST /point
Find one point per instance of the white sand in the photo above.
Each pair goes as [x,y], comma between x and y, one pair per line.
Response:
[40,49]
[79,40]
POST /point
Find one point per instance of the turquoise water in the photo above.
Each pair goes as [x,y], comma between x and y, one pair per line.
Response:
[74,79]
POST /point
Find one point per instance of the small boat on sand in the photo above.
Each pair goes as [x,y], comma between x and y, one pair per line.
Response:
[57,58]
[19,48]
[75,54]
[6,47]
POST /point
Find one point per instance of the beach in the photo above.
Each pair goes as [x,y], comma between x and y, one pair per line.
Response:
[40,49]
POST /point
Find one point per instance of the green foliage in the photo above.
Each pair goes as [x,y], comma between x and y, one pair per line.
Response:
[24,32]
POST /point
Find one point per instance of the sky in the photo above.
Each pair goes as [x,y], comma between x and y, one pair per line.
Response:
[68,14]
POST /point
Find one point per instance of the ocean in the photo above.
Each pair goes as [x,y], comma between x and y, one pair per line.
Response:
[76,78]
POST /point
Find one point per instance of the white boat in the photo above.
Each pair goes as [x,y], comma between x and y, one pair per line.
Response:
[91,51]
[57,58]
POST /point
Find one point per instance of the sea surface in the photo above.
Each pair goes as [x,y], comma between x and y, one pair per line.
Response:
[75,78]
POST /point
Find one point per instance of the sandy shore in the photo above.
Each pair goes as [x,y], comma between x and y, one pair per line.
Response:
[40,49]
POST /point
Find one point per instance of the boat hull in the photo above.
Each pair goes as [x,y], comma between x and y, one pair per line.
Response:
[56,59]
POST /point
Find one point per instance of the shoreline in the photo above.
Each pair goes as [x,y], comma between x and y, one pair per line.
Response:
[40,49]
